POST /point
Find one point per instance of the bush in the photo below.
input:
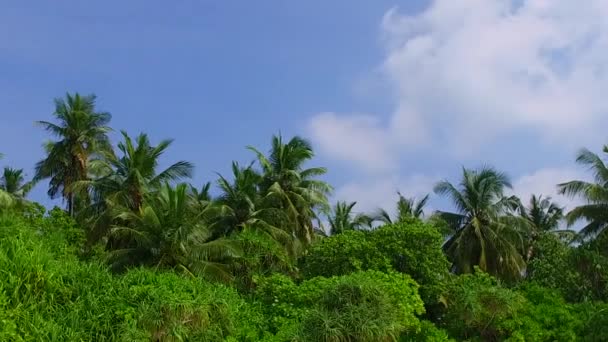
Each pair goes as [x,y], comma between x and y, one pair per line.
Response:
[579,274]
[428,332]
[477,305]
[362,306]
[47,294]
[413,248]
[544,317]
[592,316]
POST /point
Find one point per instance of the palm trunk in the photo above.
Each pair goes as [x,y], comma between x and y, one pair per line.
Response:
[71,204]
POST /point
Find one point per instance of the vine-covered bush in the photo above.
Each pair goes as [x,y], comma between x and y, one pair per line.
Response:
[362,306]
[413,248]
[47,294]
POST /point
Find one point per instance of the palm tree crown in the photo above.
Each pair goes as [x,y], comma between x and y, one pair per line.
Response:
[82,133]
[284,176]
[406,208]
[485,233]
[13,182]
[595,211]
[342,218]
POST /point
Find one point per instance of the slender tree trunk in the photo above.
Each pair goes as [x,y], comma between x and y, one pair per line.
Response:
[71,204]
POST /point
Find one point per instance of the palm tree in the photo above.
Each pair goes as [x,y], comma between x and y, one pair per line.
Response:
[485,232]
[167,231]
[595,211]
[543,216]
[125,181]
[284,176]
[6,200]
[406,208]
[82,133]
[240,206]
[13,182]
[342,219]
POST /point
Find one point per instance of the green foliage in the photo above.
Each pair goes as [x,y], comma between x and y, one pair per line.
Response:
[550,267]
[261,236]
[362,306]
[579,273]
[477,305]
[46,294]
[480,308]
[342,254]
[413,248]
[261,256]
[427,332]
[544,317]
[592,316]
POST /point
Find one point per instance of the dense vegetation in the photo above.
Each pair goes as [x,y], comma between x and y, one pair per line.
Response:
[139,254]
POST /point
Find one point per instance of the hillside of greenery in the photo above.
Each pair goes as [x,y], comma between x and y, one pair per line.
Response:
[140,254]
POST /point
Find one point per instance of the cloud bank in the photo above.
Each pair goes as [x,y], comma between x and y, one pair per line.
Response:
[466,74]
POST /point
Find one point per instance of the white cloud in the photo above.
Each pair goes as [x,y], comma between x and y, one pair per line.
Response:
[358,138]
[382,193]
[544,182]
[463,72]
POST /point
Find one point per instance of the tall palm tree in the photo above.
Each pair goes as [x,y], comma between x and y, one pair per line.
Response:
[342,219]
[13,182]
[595,211]
[285,176]
[167,231]
[124,182]
[406,208]
[82,133]
[485,232]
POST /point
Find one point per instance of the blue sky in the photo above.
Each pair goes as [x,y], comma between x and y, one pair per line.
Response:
[393,94]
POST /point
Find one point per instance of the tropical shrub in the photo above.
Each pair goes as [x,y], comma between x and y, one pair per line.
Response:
[477,305]
[410,247]
[362,306]
[46,294]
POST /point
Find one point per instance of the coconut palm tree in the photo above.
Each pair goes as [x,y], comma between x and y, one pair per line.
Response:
[485,232]
[240,206]
[124,182]
[406,208]
[285,177]
[167,231]
[595,194]
[6,200]
[543,216]
[342,218]
[82,133]
[13,182]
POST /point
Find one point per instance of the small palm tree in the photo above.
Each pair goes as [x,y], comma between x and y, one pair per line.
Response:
[166,231]
[13,182]
[407,208]
[595,211]
[6,200]
[240,206]
[285,177]
[543,216]
[485,232]
[82,133]
[342,219]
